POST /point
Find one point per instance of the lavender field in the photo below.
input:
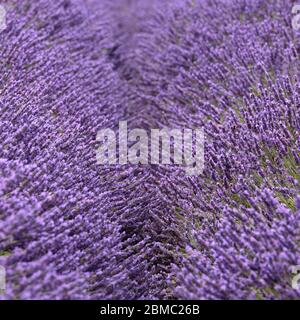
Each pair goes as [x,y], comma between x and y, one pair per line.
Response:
[73,229]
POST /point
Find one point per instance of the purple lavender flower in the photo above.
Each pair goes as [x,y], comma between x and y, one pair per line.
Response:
[71,229]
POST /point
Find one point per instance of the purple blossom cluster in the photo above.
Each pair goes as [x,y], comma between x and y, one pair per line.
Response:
[71,229]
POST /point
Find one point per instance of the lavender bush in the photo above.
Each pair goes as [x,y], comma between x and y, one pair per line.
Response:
[71,229]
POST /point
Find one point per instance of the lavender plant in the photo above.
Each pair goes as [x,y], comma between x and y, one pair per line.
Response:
[71,229]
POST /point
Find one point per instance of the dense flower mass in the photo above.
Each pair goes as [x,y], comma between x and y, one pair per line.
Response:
[72,229]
